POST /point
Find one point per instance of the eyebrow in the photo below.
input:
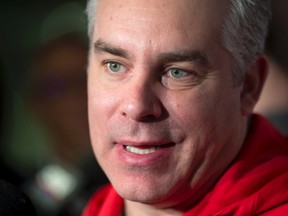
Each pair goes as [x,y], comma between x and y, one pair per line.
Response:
[186,56]
[101,46]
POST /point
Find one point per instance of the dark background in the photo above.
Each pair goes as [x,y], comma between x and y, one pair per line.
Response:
[20,21]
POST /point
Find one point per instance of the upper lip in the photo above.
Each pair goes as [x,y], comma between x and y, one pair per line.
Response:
[143,143]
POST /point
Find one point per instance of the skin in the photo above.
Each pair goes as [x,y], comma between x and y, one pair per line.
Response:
[137,98]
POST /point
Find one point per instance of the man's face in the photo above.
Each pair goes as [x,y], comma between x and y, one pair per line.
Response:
[165,118]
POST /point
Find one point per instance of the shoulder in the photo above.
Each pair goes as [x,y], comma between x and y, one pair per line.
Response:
[256,181]
[277,211]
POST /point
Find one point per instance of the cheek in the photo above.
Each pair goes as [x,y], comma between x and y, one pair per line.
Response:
[100,98]
[195,116]
[99,111]
[187,109]
[204,110]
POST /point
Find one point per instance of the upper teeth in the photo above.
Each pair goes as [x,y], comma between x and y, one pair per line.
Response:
[141,151]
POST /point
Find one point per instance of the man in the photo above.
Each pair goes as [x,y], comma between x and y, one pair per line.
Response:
[171,89]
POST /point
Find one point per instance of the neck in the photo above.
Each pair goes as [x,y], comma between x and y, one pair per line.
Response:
[141,209]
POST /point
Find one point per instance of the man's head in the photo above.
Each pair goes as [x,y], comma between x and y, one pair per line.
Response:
[166,118]
[243,31]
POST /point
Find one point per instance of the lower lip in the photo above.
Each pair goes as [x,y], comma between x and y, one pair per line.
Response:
[134,159]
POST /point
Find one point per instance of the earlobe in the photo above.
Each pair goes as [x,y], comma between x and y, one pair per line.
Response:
[253,83]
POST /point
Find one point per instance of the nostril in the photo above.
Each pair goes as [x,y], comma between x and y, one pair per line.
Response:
[141,105]
[149,118]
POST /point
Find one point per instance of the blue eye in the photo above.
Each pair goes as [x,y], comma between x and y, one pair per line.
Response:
[176,73]
[114,67]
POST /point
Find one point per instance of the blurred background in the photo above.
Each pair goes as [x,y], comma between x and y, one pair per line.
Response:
[45,148]
[274,99]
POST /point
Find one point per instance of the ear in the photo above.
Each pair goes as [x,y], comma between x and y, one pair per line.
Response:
[252,85]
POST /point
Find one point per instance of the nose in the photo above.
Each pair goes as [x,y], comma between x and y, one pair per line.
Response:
[141,103]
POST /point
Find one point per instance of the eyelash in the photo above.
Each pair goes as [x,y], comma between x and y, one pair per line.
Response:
[109,63]
[185,74]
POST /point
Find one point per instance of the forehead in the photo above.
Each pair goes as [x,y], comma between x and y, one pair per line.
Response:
[151,23]
[183,11]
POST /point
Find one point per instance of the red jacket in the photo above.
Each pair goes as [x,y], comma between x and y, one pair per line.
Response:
[256,183]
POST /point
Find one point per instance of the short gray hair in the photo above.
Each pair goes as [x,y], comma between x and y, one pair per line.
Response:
[91,14]
[243,34]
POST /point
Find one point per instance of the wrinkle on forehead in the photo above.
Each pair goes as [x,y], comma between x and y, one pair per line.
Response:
[136,13]
[170,10]
[168,5]
[163,24]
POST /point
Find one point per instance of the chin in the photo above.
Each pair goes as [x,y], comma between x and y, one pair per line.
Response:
[148,193]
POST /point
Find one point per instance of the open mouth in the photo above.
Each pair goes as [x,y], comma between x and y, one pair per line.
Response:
[142,150]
